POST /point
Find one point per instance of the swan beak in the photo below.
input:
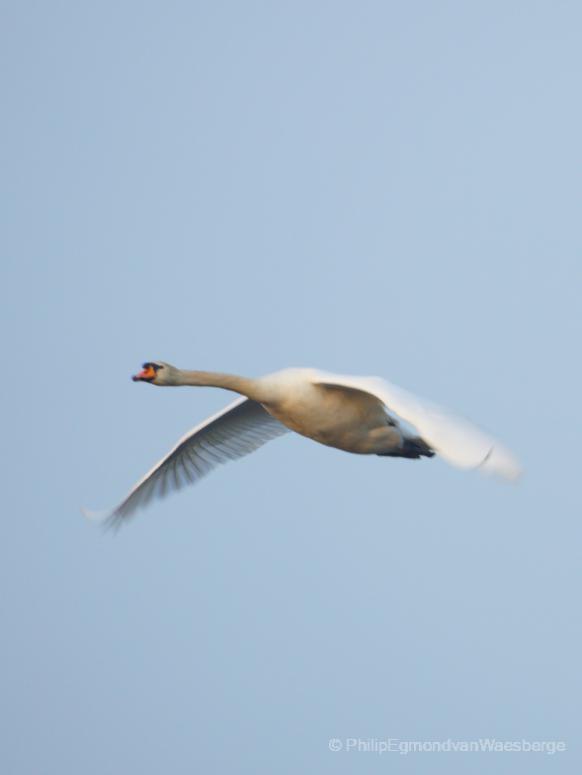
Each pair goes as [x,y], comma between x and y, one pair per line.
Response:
[147,375]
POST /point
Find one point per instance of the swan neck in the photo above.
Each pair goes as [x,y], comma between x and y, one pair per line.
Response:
[232,382]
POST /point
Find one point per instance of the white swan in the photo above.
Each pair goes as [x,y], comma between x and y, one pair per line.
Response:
[355,414]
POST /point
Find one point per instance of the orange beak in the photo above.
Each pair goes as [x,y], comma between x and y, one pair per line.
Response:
[147,375]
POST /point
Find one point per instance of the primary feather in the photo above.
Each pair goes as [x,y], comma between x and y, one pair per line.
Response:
[232,433]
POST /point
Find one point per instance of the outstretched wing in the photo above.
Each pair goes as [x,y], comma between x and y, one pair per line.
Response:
[455,439]
[234,432]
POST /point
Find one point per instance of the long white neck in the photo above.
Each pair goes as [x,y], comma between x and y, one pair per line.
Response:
[242,385]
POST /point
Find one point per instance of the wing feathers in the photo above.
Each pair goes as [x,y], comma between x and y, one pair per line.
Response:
[455,439]
[237,430]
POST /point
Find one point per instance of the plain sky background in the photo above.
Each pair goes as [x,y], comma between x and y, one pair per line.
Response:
[372,188]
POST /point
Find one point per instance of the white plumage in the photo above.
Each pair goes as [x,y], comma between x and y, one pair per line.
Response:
[357,414]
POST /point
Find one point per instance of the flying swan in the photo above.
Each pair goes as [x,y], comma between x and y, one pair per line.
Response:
[357,414]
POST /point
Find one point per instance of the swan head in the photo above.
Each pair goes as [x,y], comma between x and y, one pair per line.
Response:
[157,373]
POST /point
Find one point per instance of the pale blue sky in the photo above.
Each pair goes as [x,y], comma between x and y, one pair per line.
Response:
[376,188]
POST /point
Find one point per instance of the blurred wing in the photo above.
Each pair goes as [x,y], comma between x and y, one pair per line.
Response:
[455,439]
[234,432]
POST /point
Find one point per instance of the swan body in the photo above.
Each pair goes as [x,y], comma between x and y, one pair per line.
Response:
[363,415]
